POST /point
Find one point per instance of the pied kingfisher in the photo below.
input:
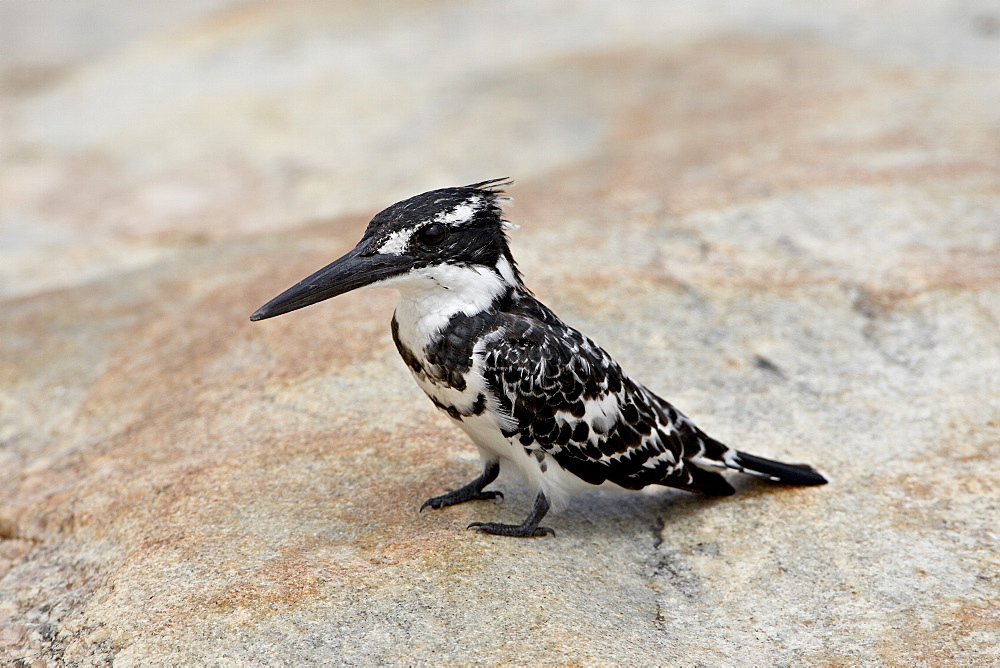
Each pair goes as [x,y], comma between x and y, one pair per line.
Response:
[527,388]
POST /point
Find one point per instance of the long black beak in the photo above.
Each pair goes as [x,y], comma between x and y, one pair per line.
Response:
[350,272]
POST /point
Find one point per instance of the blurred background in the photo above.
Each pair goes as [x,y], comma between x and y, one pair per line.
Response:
[129,128]
[782,216]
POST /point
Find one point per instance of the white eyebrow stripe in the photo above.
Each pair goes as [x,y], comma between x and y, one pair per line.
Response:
[461,214]
[396,242]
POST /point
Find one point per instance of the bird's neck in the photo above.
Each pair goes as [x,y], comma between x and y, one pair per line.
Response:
[435,295]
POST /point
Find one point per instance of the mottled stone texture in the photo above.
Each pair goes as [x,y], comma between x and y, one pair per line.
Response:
[783,216]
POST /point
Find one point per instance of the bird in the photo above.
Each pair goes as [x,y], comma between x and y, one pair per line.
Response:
[532,392]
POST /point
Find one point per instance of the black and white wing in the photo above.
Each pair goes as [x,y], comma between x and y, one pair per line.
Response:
[568,397]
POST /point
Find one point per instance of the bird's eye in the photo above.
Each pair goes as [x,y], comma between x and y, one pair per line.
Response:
[433,234]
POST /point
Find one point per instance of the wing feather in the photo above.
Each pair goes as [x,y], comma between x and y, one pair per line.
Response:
[566,396]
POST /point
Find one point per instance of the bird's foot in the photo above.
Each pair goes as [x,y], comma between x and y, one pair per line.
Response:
[471,492]
[527,529]
[460,495]
[516,530]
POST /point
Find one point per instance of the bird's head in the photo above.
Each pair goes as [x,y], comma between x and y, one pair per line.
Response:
[442,239]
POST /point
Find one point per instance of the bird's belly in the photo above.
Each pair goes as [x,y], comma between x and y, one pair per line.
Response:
[485,433]
[482,421]
[538,468]
[469,409]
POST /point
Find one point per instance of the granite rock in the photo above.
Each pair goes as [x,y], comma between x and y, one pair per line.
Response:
[784,219]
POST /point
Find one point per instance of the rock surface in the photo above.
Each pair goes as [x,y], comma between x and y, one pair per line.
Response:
[786,219]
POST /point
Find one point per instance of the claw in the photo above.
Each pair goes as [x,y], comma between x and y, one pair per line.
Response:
[528,528]
[471,492]
[453,498]
[515,530]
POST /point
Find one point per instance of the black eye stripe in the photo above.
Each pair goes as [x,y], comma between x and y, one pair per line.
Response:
[433,234]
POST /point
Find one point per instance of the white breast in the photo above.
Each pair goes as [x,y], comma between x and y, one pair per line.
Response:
[429,297]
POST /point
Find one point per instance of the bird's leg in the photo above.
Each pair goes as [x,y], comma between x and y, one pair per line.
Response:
[470,492]
[526,529]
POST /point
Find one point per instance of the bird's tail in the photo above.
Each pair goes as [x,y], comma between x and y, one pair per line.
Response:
[789,474]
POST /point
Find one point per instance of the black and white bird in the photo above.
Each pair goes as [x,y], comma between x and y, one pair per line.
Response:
[528,389]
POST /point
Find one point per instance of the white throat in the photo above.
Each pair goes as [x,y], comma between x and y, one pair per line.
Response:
[431,296]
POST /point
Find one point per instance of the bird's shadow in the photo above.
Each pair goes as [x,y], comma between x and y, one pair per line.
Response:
[614,514]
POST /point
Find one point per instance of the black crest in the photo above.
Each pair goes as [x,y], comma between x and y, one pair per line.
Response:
[485,197]
[461,226]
